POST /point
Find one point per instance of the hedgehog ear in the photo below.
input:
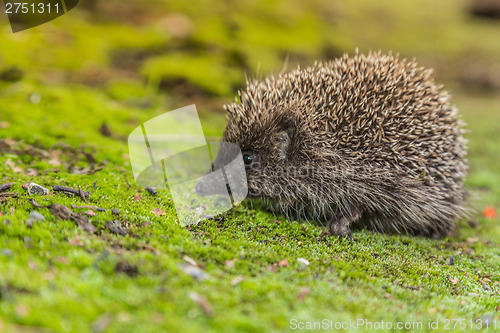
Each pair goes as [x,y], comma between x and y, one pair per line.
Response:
[284,138]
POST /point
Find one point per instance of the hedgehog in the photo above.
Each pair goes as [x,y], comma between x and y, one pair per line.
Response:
[367,140]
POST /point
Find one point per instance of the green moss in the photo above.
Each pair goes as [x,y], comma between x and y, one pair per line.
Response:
[54,275]
[207,73]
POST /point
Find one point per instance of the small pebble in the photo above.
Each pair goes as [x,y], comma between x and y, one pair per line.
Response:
[37,216]
[35,98]
[152,190]
[7,252]
[303,262]
[450,261]
[115,211]
[30,222]
[194,272]
[34,188]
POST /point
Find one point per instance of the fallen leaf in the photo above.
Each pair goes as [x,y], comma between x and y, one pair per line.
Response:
[303,292]
[177,25]
[202,302]
[230,263]
[283,262]
[62,260]
[137,197]
[76,241]
[454,280]
[490,212]
[190,261]
[237,280]
[472,239]
[90,212]
[271,268]
[13,166]
[158,212]
[32,265]
[32,172]
[102,322]
[22,310]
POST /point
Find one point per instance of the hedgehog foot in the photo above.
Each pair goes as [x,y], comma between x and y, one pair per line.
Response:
[339,225]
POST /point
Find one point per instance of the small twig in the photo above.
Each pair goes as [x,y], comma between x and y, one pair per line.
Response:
[91,172]
[63,212]
[116,227]
[59,188]
[82,195]
[95,185]
[9,194]
[34,203]
[5,187]
[130,186]
[99,209]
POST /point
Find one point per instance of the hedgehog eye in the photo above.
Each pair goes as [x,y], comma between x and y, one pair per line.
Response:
[247,159]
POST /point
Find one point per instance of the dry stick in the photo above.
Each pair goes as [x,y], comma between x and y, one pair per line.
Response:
[5,187]
[82,195]
[65,213]
[34,203]
[99,209]
[9,194]
[59,188]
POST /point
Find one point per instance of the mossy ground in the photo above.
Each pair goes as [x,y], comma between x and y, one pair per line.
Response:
[117,64]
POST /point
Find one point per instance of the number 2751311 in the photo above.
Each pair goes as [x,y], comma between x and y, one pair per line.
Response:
[31,8]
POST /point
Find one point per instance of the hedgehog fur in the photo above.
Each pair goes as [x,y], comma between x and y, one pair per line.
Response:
[369,139]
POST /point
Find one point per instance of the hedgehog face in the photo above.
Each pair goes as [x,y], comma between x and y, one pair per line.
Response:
[267,154]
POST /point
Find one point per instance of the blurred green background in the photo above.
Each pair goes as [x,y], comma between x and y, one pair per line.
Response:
[71,91]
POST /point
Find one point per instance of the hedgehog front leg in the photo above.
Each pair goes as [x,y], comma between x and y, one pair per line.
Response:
[339,224]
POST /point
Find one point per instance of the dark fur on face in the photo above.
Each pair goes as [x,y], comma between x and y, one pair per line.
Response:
[364,138]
